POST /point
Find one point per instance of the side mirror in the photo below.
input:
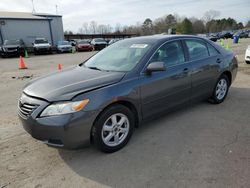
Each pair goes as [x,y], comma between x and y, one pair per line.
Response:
[156,67]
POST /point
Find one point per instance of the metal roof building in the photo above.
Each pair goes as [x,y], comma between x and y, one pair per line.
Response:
[28,26]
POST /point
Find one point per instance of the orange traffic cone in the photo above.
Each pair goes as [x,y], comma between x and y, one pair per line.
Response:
[59,67]
[21,64]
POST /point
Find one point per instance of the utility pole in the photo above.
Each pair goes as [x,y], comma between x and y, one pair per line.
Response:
[56,10]
[33,7]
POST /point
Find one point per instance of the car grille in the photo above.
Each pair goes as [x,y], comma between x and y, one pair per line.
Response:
[12,48]
[65,48]
[25,109]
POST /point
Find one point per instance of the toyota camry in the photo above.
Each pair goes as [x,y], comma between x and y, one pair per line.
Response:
[103,99]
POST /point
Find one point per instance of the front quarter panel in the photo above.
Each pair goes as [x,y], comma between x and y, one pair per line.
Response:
[123,91]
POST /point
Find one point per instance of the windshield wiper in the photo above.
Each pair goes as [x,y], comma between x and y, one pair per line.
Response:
[95,68]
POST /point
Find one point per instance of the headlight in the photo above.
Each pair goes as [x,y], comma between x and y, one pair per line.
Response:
[64,108]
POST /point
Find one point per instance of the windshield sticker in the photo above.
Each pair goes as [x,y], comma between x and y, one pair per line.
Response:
[138,46]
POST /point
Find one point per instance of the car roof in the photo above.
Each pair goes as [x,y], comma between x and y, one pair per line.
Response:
[40,39]
[162,37]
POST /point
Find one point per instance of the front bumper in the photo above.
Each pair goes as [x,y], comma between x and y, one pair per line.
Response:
[100,46]
[15,52]
[68,131]
[64,49]
[85,48]
[247,55]
[42,49]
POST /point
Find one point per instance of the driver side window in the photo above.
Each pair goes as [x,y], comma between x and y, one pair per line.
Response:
[170,53]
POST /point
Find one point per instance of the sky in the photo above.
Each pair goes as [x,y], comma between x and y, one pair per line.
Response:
[127,12]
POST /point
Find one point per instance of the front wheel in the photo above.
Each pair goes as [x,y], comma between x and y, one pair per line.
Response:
[247,62]
[113,129]
[220,90]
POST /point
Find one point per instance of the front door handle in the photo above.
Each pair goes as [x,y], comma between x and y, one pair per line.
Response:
[218,60]
[185,70]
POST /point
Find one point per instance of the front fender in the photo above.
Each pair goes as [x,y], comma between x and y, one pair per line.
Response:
[99,99]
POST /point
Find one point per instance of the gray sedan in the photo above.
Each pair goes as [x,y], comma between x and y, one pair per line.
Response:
[63,46]
[103,99]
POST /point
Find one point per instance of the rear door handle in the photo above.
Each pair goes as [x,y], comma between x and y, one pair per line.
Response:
[185,70]
[218,60]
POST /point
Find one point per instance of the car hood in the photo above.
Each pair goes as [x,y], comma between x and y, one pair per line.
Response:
[83,45]
[100,43]
[66,84]
[11,46]
[42,45]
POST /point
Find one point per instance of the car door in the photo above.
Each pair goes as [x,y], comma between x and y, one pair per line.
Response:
[205,67]
[160,91]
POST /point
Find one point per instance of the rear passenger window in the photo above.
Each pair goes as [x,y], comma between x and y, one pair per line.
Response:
[196,49]
[170,53]
[212,50]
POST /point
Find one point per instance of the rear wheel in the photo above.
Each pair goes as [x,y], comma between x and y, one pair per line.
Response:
[113,129]
[220,90]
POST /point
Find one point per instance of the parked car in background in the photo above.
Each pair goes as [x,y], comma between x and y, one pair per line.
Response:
[104,98]
[63,46]
[247,55]
[112,41]
[108,40]
[12,48]
[41,45]
[99,43]
[226,35]
[84,45]
[213,36]
[241,34]
[73,42]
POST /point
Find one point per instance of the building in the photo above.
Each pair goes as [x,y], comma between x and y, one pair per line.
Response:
[28,26]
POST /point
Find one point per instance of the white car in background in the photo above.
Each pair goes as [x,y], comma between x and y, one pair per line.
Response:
[41,45]
[98,43]
[247,55]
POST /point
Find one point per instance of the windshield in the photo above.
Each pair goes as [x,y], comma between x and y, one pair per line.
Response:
[63,43]
[11,42]
[121,56]
[99,40]
[41,41]
[83,42]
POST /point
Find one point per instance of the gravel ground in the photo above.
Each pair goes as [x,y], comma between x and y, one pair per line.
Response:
[203,145]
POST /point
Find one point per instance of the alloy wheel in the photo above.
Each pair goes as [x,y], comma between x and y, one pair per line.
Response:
[221,89]
[115,129]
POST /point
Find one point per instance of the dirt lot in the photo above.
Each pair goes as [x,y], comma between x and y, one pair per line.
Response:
[201,146]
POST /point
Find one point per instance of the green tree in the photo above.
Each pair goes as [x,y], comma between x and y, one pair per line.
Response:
[147,27]
[185,27]
[170,21]
[223,24]
[248,24]
[198,26]
[68,32]
[240,25]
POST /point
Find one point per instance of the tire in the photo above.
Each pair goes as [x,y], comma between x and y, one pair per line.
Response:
[247,62]
[220,90]
[117,136]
